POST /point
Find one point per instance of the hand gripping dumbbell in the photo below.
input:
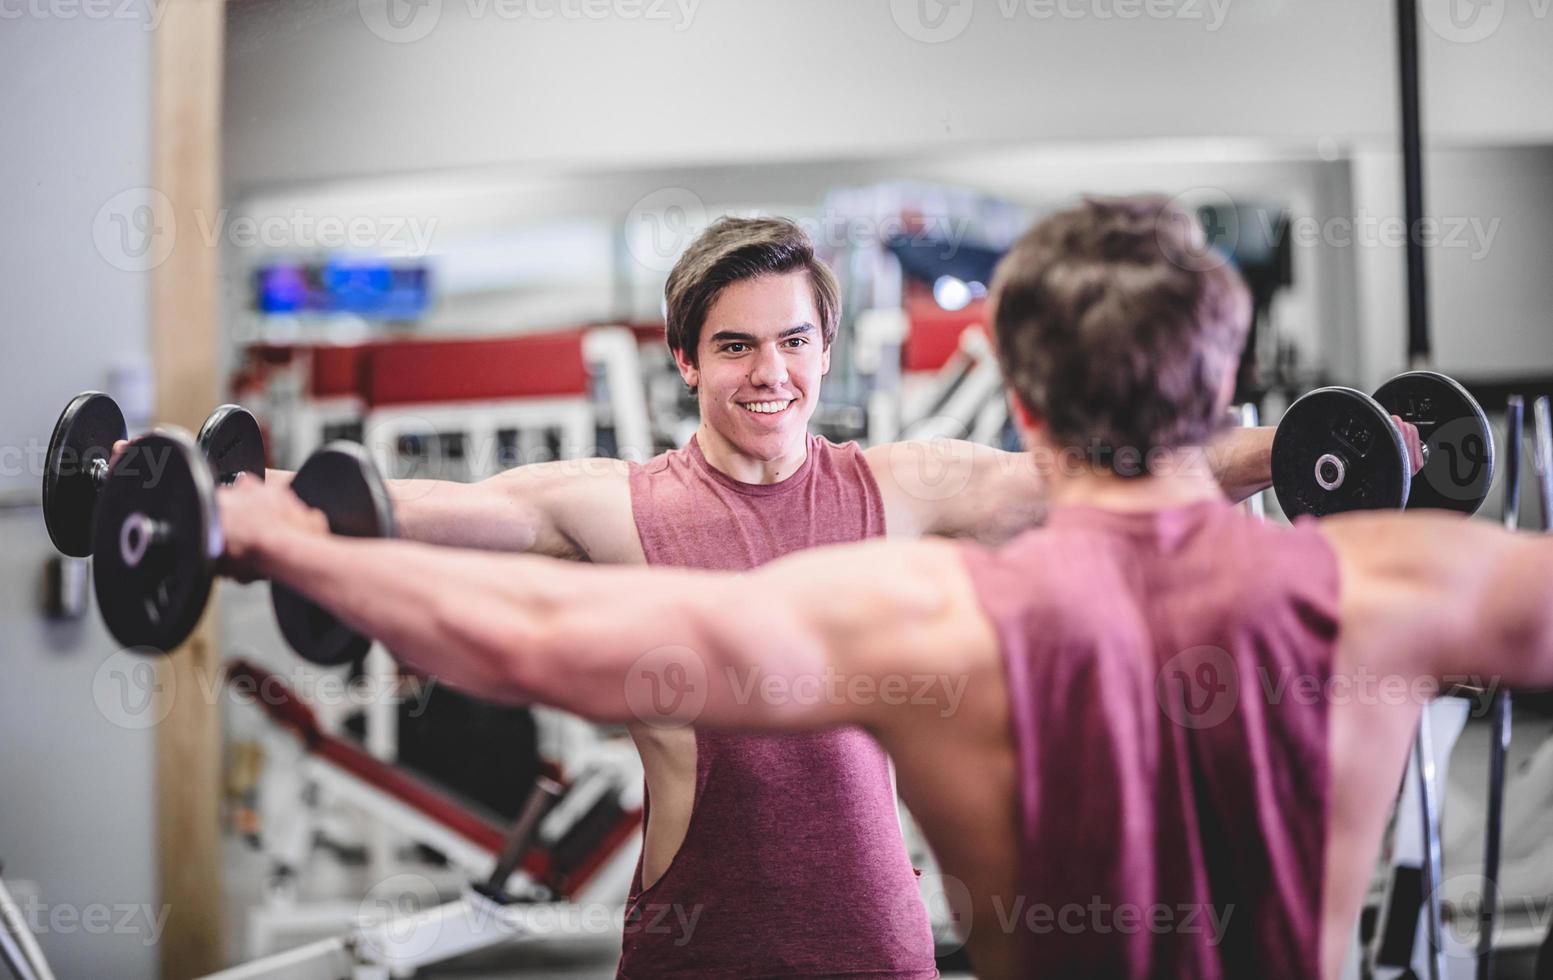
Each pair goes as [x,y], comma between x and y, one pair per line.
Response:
[1337,449]
[158,544]
[341,481]
[76,467]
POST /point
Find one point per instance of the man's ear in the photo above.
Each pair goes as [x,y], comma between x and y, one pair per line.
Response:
[825,361]
[687,370]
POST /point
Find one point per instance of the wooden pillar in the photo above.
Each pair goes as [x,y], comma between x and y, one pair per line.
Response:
[185,320]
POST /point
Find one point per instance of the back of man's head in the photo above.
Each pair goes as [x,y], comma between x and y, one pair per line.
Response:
[1119,330]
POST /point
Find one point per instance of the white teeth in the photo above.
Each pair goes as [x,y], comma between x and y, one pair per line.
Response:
[767,408]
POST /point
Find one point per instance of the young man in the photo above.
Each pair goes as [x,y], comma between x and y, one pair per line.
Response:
[788,847]
[1166,736]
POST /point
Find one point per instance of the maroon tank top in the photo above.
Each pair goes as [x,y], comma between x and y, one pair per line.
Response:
[793,863]
[1167,674]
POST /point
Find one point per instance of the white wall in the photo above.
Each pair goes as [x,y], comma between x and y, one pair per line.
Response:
[314,93]
[76,789]
[1491,295]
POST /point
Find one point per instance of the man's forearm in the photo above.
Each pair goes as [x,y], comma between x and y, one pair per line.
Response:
[601,642]
[458,515]
[1242,461]
[396,592]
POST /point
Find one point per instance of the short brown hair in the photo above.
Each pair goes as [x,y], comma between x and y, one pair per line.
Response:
[731,250]
[1116,326]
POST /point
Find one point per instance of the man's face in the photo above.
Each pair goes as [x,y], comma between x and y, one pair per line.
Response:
[760,359]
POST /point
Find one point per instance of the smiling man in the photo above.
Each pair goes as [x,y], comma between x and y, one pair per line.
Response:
[787,846]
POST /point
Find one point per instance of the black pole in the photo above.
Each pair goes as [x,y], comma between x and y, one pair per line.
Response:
[1413,184]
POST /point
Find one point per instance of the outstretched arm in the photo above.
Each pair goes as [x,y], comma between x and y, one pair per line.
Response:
[960,489]
[574,508]
[1441,596]
[776,648]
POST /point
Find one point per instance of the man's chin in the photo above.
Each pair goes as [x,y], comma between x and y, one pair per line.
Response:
[770,446]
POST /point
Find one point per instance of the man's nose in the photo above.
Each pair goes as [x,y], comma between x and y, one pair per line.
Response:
[769,369]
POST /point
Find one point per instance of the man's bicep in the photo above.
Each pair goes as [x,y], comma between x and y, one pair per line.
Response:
[575,508]
[958,489]
[1001,496]
[1445,597]
[879,620]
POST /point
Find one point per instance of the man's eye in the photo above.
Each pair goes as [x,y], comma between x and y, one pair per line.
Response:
[797,341]
[735,348]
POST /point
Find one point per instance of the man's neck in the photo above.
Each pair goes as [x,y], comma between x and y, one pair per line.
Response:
[724,457]
[1168,486]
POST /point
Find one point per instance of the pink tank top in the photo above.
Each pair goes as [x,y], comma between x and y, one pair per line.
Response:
[1167,676]
[793,864]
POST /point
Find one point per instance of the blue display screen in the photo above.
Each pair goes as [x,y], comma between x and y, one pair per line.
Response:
[374,290]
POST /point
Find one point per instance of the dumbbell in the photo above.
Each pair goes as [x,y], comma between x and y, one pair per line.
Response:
[1337,449]
[157,543]
[76,467]
[341,481]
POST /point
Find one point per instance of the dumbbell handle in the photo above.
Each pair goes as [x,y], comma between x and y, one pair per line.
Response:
[519,840]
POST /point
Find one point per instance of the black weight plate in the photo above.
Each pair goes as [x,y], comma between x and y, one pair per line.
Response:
[155,599]
[232,443]
[85,432]
[1337,450]
[1452,424]
[341,481]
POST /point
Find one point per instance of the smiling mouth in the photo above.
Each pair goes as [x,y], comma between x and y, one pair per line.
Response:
[775,407]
